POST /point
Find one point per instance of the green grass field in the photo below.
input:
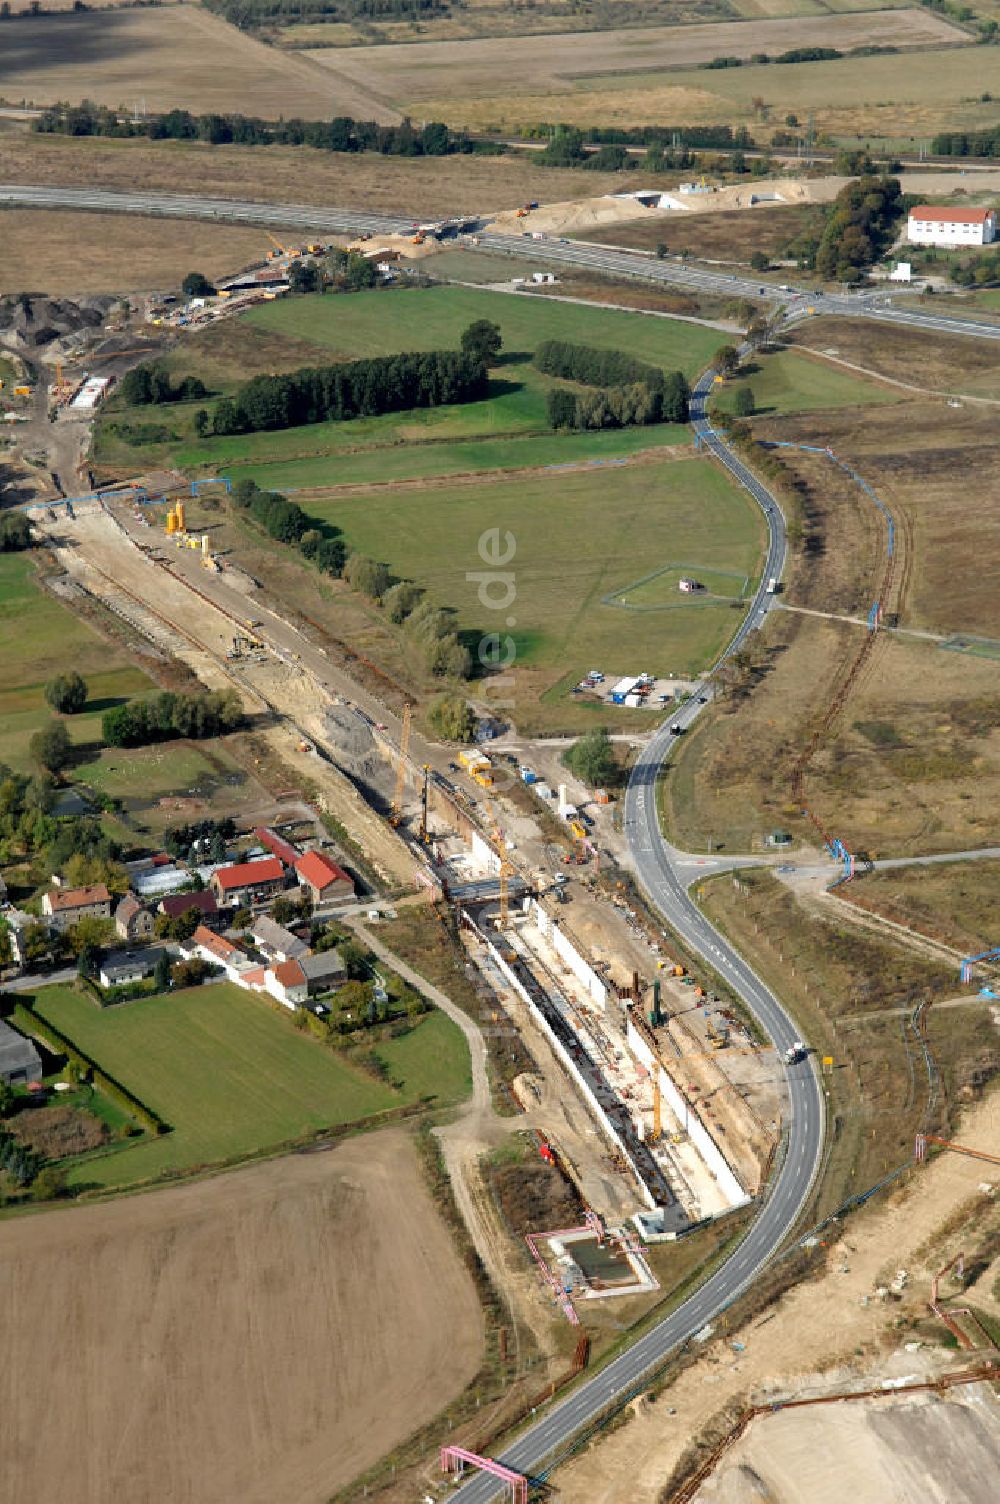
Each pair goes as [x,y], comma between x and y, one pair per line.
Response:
[232,1076]
[661,591]
[580,536]
[375,323]
[417,461]
[400,445]
[58,640]
[787,382]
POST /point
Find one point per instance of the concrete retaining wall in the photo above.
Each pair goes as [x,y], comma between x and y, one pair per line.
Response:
[686,1114]
[567,951]
[567,1060]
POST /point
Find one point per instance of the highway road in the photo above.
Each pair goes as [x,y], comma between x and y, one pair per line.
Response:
[667,890]
[550,249]
[674,271]
[192,206]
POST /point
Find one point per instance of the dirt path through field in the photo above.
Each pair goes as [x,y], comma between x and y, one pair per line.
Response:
[262,1335]
[819,1323]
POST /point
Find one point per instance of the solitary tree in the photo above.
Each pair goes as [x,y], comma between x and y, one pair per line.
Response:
[726,359]
[483,340]
[197,285]
[743,402]
[759,261]
[50,748]
[66,693]
[592,759]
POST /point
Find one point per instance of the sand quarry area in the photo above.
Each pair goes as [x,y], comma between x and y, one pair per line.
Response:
[261,1335]
[914,1450]
[905,1451]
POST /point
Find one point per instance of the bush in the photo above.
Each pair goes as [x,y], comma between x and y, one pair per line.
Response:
[166,715]
[15,533]
[452,718]
[630,391]
[197,285]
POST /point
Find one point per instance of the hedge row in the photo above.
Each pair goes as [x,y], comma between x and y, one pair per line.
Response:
[32,1023]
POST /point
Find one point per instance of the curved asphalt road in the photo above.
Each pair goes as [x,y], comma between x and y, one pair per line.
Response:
[806,1118]
[666,889]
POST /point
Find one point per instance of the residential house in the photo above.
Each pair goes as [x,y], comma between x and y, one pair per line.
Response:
[133,921]
[65,907]
[323,878]
[20,1062]
[286,981]
[218,951]
[323,971]
[277,943]
[248,882]
[122,968]
[203,903]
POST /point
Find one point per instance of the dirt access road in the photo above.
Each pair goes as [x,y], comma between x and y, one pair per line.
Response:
[262,1335]
[194,615]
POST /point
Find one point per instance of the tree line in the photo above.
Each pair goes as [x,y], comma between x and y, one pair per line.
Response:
[248,15]
[984,143]
[167,715]
[357,389]
[286,522]
[627,391]
[146,385]
[343,133]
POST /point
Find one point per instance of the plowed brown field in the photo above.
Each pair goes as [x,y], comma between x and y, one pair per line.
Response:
[263,1335]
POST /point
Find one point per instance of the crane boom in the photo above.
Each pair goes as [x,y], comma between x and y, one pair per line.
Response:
[396,814]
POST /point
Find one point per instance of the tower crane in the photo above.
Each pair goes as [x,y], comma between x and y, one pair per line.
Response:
[423,801]
[396,813]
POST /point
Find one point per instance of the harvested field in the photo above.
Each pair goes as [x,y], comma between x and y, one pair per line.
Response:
[914,762]
[934,787]
[854,98]
[934,361]
[289,174]
[408,74]
[56,253]
[495,18]
[265,1334]
[731,236]
[955,902]
[176,57]
[937,467]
